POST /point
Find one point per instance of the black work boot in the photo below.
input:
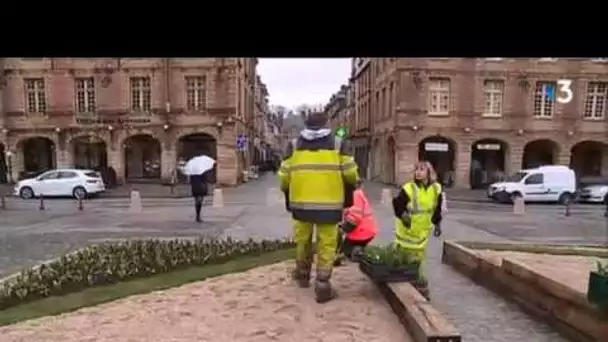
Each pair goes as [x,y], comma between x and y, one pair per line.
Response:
[356,254]
[301,274]
[423,287]
[323,288]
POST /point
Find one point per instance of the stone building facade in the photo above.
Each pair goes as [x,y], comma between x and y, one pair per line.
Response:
[137,116]
[492,115]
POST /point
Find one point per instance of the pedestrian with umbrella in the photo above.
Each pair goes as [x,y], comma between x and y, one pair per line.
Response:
[196,168]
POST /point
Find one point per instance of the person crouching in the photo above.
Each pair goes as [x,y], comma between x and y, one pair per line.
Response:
[359,226]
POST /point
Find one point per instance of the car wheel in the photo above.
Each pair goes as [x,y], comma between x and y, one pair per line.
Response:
[565,198]
[79,193]
[26,192]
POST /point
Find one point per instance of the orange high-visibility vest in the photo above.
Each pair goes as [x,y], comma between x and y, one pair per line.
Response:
[361,215]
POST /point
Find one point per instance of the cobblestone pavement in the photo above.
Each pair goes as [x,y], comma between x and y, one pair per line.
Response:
[28,236]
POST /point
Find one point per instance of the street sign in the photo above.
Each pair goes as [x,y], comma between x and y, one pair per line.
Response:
[341,132]
[241,142]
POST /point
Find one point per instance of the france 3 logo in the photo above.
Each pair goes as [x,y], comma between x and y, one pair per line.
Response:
[563,94]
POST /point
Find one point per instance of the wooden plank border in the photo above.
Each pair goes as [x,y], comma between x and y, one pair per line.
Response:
[600,251]
[543,298]
[421,320]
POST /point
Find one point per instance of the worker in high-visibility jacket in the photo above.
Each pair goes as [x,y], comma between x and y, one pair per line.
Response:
[359,225]
[418,207]
[318,179]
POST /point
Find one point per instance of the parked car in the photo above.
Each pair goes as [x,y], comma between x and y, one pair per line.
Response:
[552,183]
[597,193]
[76,183]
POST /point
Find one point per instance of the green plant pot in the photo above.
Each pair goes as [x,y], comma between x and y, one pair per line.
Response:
[597,292]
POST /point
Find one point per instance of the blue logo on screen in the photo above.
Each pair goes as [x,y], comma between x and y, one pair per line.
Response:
[550,92]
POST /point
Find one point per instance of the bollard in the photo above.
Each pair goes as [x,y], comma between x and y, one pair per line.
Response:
[386,197]
[606,203]
[3,202]
[41,207]
[567,208]
[519,207]
[80,204]
[135,202]
[218,198]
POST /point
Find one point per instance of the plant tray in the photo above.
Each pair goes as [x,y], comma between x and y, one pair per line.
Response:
[597,292]
[383,273]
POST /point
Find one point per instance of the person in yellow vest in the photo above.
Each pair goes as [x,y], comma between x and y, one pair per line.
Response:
[318,179]
[418,207]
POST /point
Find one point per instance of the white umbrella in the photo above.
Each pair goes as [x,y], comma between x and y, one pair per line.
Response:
[198,165]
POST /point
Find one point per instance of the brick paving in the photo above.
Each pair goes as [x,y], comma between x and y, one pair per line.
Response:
[28,236]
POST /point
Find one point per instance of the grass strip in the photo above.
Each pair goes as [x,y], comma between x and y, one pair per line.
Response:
[102,294]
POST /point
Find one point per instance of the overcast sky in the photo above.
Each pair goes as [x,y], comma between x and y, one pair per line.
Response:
[295,81]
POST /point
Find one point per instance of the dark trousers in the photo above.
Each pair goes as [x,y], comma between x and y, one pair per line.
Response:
[347,245]
[198,206]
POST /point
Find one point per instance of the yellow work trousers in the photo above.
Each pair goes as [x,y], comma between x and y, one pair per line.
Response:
[418,255]
[327,237]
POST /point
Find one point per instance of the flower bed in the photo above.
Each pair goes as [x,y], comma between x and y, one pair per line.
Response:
[110,263]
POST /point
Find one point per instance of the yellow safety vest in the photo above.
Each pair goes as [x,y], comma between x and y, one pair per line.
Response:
[316,182]
[421,206]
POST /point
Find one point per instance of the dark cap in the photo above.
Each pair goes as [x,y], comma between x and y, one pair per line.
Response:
[316,120]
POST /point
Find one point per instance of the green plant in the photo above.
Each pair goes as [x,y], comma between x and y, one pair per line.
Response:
[110,263]
[389,255]
[602,269]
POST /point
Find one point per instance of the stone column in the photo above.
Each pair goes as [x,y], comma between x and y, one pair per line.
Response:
[407,156]
[227,165]
[516,155]
[462,166]
[116,161]
[168,163]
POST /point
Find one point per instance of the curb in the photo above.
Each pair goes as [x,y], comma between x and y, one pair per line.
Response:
[421,320]
[566,310]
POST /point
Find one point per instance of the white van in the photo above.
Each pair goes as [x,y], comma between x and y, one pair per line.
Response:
[552,183]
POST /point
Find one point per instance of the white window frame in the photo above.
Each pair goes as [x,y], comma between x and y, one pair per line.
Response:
[548,59]
[144,91]
[197,87]
[494,59]
[595,96]
[86,87]
[439,87]
[495,95]
[541,94]
[600,60]
[39,93]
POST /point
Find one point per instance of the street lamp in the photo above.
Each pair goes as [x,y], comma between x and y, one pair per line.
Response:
[9,166]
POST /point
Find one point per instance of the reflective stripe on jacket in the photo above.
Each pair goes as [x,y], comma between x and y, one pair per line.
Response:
[423,201]
[313,177]
[361,216]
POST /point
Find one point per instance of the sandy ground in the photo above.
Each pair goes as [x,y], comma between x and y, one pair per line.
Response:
[260,305]
[568,269]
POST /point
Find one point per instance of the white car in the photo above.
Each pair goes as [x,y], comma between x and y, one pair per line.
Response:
[594,194]
[62,182]
[551,183]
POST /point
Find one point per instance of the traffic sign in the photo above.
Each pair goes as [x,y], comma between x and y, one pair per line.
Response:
[341,132]
[241,142]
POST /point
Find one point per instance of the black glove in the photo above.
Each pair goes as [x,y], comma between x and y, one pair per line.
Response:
[406,219]
[286,193]
[437,231]
[347,227]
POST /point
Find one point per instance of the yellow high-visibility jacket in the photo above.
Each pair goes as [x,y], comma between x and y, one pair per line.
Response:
[314,177]
[423,202]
